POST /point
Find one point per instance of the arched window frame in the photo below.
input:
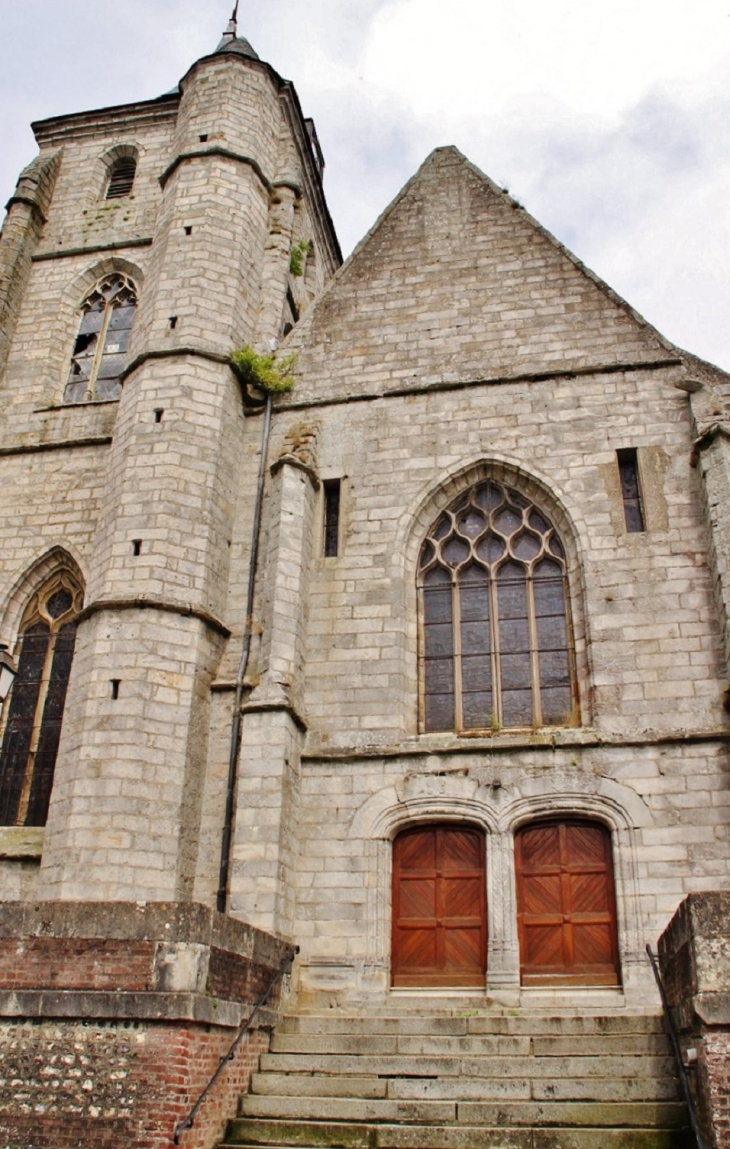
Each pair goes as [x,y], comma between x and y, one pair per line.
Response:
[100,350]
[33,712]
[543,546]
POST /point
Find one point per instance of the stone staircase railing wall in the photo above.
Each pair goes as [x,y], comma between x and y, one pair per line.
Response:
[114,1016]
[694,958]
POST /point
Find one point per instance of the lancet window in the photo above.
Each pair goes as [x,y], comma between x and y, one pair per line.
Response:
[100,352]
[36,703]
[495,637]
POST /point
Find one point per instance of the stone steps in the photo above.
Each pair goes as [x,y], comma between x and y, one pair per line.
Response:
[484,1045]
[372,1087]
[479,1023]
[481,1081]
[304,1135]
[488,1066]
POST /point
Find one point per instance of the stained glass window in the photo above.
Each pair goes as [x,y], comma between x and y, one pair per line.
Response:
[34,709]
[100,352]
[496,642]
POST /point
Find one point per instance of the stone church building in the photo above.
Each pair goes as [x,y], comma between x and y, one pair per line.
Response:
[420,666]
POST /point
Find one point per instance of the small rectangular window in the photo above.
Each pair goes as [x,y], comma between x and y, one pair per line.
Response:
[628,469]
[331,517]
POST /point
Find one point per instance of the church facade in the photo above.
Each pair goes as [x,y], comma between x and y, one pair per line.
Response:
[421,665]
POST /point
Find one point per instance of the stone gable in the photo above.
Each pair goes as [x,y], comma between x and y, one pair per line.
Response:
[456,282]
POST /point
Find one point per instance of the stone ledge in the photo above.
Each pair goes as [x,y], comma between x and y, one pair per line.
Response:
[21,841]
[169,922]
[694,950]
[84,1005]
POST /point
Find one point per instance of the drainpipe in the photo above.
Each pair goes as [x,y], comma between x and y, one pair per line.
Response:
[222,896]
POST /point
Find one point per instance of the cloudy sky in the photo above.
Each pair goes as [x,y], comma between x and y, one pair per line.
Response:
[608,119]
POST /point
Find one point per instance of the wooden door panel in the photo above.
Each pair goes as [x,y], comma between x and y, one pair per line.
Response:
[439,907]
[418,948]
[585,844]
[592,944]
[418,898]
[566,904]
[589,893]
[543,895]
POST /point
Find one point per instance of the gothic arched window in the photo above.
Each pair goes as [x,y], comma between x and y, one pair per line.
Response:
[35,706]
[496,641]
[100,352]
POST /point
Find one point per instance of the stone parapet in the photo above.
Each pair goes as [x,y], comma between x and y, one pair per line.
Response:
[113,1017]
[694,957]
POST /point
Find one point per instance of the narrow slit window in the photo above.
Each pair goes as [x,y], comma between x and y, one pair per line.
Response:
[628,469]
[331,517]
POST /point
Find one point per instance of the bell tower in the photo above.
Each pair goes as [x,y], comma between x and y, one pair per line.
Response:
[241,185]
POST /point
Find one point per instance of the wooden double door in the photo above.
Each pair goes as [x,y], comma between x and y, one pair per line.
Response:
[565,899]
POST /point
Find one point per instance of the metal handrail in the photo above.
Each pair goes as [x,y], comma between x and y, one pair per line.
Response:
[189,1121]
[674,1042]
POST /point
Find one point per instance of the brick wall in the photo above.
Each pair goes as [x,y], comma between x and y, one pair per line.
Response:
[108,1085]
[113,1018]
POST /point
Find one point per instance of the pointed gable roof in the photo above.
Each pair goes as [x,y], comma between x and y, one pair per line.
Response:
[456,283]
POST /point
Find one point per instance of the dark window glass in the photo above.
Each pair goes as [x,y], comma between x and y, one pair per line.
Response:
[100,352]
[495,635]
[331,517]
[628,469]
[35,706]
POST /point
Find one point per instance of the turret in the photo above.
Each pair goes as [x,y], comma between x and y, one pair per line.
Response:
[242,182]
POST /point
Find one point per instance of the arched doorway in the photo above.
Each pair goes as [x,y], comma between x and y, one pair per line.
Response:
[566,904]
[439,907]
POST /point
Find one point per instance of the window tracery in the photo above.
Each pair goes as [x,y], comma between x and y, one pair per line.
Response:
[36,703]
[496,642]
[100,351]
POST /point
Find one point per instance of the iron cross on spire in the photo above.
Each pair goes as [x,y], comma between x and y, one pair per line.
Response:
[234,16]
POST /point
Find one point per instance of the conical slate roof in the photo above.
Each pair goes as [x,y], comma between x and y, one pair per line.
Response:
[231,42]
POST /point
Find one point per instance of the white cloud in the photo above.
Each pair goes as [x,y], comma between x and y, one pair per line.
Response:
[607,118]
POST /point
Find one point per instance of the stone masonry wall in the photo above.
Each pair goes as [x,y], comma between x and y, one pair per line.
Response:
[694,957]
[460,342]
[111,1085]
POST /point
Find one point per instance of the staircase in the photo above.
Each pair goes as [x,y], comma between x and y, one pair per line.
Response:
[484,1081]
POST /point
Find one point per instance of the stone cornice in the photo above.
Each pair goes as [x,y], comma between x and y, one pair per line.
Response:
[427,746]
[118,117]
[93,249]
[295,462]
[29,202]
[172,353]
[185,610]
[60,445]
[266,706]
[706,439]
[225,153]
[493,381]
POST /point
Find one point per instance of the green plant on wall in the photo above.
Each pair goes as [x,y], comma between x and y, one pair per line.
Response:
[264,371]
[296,259]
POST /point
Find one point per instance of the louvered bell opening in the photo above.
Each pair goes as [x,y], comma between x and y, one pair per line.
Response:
[121,179]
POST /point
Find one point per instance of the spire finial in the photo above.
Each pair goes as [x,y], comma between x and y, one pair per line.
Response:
[232,29]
